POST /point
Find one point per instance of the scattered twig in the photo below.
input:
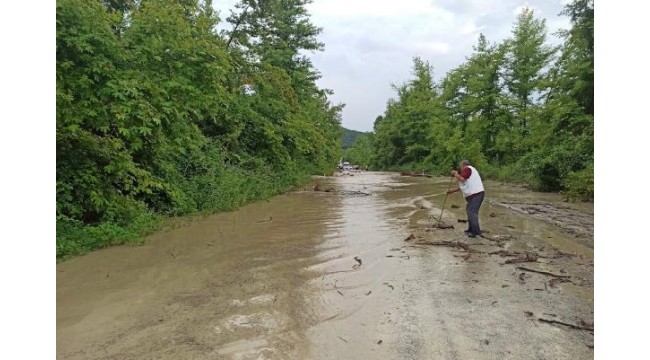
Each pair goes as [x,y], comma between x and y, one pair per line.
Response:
[542,272]
[443,225]
[554,281]
[583,326]
[335,288]
[505,253]
[407,257]
[527,257]
[343,339]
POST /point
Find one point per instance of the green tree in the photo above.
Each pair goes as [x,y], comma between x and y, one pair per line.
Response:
[527,59]
[563,157]
[512,108]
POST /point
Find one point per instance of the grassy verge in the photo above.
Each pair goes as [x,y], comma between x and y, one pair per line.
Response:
[231,189]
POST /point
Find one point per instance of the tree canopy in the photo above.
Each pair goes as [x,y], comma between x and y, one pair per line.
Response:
[159,114]
[520,109]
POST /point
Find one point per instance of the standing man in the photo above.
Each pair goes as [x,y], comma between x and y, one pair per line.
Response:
[470,184]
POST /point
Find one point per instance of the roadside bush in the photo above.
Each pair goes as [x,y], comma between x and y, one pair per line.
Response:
[579,185]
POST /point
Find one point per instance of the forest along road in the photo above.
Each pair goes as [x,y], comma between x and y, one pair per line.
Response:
[330,274]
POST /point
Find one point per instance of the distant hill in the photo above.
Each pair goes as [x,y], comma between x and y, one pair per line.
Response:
[348,138]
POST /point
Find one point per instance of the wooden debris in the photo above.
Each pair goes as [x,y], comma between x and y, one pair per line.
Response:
[443,225]
[542,272]
[527,257]
[357,259]
[582,326]
[505,253]
[554,281]
[407,257]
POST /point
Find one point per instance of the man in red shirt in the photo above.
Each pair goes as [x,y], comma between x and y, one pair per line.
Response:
[471,185]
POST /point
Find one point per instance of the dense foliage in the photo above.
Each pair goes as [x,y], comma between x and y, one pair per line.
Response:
[158,114]
[519,110]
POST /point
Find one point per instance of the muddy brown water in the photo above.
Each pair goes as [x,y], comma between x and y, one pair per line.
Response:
[279,280]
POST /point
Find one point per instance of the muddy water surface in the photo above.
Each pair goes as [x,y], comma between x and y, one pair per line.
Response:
[329,275]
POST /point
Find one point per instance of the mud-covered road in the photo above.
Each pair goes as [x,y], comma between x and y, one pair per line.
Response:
[279,280]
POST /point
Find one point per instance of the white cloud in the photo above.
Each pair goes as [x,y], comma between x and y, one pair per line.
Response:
[338,10]
[427,47]
[470,28]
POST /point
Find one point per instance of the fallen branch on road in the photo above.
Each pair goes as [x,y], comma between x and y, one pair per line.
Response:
[583,326]
[542,272]
[527,257]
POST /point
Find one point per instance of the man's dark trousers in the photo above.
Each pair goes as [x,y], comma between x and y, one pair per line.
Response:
[474,202]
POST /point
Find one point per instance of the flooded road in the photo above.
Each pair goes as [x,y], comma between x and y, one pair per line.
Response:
[329,275]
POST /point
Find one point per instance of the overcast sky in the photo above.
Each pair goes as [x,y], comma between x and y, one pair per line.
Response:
[370,44]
